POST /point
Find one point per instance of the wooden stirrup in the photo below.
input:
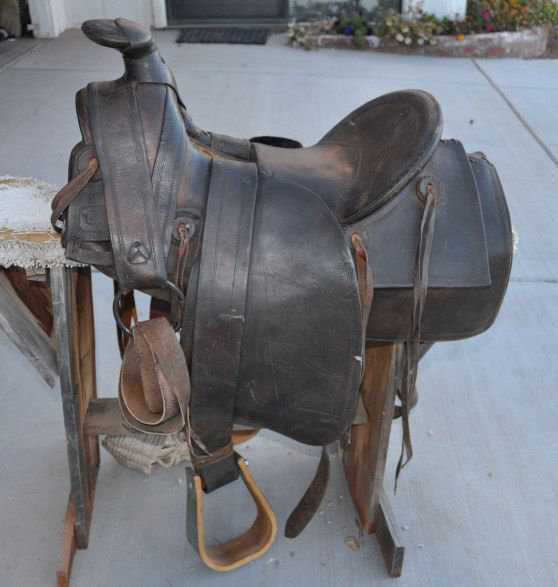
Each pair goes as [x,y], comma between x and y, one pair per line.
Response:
[237,551]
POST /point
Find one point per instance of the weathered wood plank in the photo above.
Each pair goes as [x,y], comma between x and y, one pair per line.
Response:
[34,293]
[23,328]
[67,548]
[104,417]
[364,455]
[74,333]
[388,538]
[85,335]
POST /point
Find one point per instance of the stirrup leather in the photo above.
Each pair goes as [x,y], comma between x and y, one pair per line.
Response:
[240,550]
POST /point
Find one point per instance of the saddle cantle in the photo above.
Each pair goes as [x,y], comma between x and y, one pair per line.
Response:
[269,253]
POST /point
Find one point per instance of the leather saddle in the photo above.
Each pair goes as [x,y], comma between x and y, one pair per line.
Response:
[269,253]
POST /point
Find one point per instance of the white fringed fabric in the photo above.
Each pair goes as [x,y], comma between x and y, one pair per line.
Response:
[26,237]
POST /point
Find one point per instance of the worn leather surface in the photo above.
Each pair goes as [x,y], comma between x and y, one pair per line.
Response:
[157,169]
[366,158]
[302,351]
[261,232]
[154,386]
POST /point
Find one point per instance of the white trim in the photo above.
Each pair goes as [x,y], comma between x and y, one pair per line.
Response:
[441,8]
[159,9]
[48,17]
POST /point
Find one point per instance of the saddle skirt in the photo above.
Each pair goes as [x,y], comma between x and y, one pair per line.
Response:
[269,252]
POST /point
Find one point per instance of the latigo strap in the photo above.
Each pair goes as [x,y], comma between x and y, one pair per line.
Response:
[154,388]
[412,346]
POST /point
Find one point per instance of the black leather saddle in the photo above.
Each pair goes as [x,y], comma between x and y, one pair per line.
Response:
[269,253]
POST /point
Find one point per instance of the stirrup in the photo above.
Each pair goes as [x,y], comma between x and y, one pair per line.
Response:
[240,550]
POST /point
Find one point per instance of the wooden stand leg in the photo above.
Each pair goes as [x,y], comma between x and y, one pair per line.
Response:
[365,452]
[388,538]
[75,347]
[26,318]
[68,548]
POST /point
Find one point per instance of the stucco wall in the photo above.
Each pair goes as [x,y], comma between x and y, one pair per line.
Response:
[51,17]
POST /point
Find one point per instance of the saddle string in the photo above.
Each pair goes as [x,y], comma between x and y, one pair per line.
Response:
[66,195]
[412,347]
[128,314]
[366,292]
[178,278]
[182,255]
[193,438]
[365,286]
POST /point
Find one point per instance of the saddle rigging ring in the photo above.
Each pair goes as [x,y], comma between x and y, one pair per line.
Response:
[118,296]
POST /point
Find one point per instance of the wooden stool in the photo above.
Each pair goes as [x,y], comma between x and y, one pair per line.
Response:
[46,309]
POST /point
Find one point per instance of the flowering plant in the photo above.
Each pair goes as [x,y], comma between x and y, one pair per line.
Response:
[416,27]
[302,35]
[350,21]
[353,22]
[510,15]
[413,27]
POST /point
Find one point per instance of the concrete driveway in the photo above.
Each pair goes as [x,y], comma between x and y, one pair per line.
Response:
[477,505]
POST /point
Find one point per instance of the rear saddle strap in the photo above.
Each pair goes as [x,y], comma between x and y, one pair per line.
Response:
[420,289]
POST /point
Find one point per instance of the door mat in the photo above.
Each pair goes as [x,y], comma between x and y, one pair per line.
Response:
[236,36]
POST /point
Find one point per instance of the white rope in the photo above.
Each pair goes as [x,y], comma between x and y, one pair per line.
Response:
[141,451]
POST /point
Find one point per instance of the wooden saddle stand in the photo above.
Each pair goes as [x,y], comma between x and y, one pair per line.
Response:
[49,316]
[87,417]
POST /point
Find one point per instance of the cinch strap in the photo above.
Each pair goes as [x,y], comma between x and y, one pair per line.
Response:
[219,317]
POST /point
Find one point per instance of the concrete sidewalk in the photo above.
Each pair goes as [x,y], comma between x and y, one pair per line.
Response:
[477,505]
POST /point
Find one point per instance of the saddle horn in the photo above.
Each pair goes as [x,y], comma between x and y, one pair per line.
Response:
[131,39]
[142,61]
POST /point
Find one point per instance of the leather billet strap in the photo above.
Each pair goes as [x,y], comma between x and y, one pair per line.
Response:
[219,317]
[420,288]
[311,500]
[136,236]
[242,549]
[154,388]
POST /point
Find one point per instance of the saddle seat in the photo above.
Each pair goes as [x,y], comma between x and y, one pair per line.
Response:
[397,132]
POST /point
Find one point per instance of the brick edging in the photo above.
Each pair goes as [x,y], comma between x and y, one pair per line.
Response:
[526,44]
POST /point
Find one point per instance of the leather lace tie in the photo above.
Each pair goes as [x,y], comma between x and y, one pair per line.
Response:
[66,195]
[412,347]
